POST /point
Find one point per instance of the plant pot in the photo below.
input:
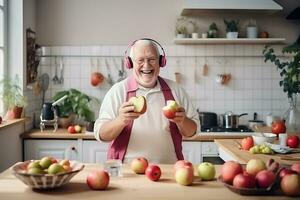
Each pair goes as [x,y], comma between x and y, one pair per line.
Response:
[180,35]
[90,126]
[251,32]
[65,122]
[17,112]
[232,35]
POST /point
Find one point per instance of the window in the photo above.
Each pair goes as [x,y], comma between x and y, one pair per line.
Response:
[3,42]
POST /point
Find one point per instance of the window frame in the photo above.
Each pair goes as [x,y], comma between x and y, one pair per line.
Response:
[4,70]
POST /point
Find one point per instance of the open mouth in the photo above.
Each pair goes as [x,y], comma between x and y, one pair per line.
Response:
[146,71]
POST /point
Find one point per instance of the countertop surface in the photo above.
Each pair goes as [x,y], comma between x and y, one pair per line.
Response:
[63,134]
[129,186]
[231,147]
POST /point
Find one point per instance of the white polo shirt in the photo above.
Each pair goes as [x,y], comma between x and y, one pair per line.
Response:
[150,136]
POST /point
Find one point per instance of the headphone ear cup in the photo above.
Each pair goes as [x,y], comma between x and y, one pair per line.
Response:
[128,62]
[162,61]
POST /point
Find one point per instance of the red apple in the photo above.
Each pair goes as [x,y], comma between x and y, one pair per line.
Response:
[285,171]
[71,129]
[53,160]
[293,141]
[296,167]
[247,143]
[254,166]
[98,180]
[139,165]
[153,172]
[139,103]
[264,178]
[244,180]
[229,170]
[170,109]
[181,163]
[184,175]
[96,78]
[278,127]
[290,185]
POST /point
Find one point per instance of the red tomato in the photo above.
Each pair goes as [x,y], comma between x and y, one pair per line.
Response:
[278,127]
[292,141]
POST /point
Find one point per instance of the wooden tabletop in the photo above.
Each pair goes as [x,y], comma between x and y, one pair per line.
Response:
[129,186]
[231,147]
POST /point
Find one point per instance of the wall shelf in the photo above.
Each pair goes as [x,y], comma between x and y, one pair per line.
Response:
[229,41]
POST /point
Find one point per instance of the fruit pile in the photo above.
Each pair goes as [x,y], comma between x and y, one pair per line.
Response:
[260,175]
[48,165]
[262,148]
[74,129]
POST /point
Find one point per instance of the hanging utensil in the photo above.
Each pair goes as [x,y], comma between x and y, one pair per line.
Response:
[109,78]
[61,66]
[55,78]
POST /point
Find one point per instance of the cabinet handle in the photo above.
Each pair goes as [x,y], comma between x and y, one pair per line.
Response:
[73,148]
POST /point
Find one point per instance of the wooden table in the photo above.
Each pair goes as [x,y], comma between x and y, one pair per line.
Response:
[130,186]
[229,150]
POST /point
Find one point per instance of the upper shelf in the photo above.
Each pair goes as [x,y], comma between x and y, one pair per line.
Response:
[229,41]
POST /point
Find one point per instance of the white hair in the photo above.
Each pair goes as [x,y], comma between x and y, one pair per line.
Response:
[144,42]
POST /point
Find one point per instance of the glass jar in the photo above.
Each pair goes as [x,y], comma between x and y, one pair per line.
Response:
[292,117]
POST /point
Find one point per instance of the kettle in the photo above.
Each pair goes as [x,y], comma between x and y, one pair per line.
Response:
[49,110]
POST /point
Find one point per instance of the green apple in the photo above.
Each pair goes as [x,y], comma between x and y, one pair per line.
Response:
[45,162]
[78,128]
[35,170]
[206,171]
[55,168]
[34,164]
[139,103]
[254,166]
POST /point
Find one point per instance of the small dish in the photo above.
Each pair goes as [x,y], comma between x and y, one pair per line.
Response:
[260,138]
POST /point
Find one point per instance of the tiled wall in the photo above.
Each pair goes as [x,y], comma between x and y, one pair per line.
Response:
[253,87]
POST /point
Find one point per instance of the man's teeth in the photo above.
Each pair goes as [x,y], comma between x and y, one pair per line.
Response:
[146,71]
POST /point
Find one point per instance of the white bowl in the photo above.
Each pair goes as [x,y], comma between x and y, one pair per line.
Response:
[260,138]
[45,181]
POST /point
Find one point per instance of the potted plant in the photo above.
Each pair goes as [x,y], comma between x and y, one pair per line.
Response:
[181,30]
[13,98]
[77,104]
[290,82]
[252,29]
[212,30]
[231,28]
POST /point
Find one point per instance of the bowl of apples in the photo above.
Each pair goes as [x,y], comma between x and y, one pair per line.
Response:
[46,173]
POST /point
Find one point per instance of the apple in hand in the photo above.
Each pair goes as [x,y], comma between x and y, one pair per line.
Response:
[184,175]
[71,129]
[229,170]
[139,165]
[264,178]
[139,103]
[206,171]
[181,163]
[153,172]
[293,141]
[78,129]
[254,166]
[98,180]
[290,185]
[170,109]
[247,143]
[244,180]
[296,167]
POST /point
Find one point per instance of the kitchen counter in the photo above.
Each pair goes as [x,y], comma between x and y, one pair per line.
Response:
[229,150]
[63,134]
[130,186]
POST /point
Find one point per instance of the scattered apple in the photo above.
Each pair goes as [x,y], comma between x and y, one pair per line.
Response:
[293,141]
[229,170]
[244,180]
[139,103]
[170,109]
[254,166]
[290,185]
[247,143]
[139,165]
[96,78]
[77,128]
[55,168]
[264,178]
[285,171]
[296,167]
[98,180]
[153,172]
[278,127]
[184,175]
[206,171]
[71,129]
[45,162]
[181,163]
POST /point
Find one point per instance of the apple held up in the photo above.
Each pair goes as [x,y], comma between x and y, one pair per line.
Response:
[170,109]
[206,171]
[139,165]
[139,103]
[153,172]
[98,180]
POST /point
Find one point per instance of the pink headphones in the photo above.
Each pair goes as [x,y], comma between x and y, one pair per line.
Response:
[162,58]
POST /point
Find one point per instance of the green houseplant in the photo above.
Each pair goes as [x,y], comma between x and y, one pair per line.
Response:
[12,96]
[290,82]
[231,28]
[212,30]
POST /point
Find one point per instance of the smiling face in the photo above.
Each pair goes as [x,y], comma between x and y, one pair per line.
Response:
[144,55]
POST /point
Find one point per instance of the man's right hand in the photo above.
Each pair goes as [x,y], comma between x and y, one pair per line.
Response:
[127,114]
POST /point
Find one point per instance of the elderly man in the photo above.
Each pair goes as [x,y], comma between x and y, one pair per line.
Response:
[151,134]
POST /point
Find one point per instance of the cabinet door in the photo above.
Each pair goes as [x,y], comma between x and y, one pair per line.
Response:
[59,149]
[94,151]
[192,151]
[209,148]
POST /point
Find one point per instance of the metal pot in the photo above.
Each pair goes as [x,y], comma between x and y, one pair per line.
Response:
[207,119]
[230,120]
[255,122]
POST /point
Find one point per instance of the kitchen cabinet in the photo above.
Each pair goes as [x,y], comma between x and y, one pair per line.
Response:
[60,149]
[229,41]
[210,153]
[94,151]
[192,151]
